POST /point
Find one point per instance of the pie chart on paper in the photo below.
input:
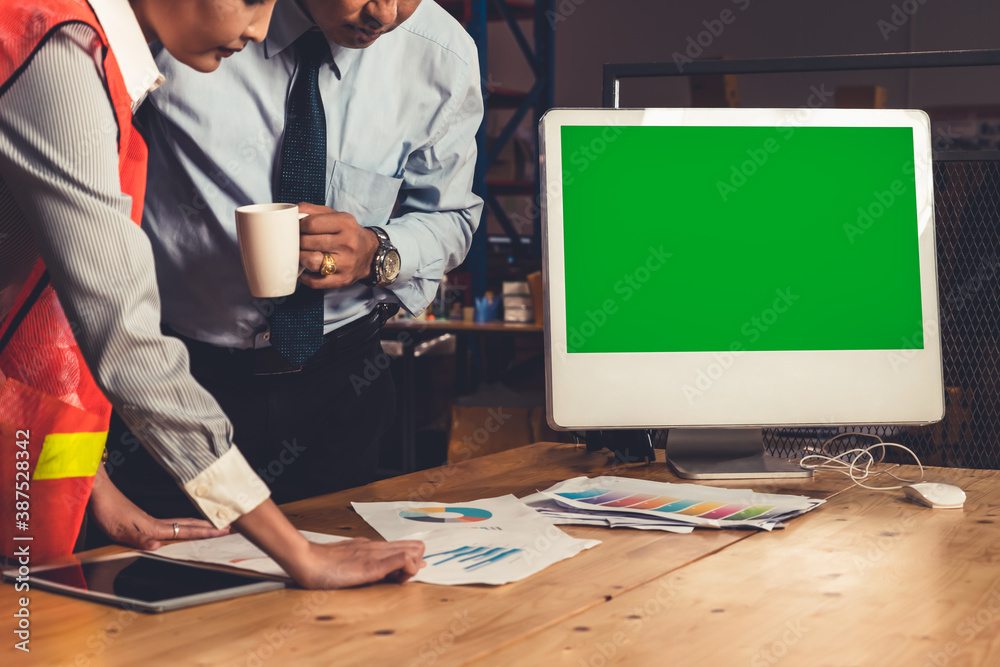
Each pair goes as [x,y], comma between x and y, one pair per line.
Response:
[446,514]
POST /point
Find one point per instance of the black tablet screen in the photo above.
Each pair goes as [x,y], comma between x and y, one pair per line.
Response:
[143,578]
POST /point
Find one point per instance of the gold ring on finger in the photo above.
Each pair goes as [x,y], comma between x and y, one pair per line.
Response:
[329,265]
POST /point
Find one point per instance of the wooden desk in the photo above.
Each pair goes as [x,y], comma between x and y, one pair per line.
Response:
[409,332]
[866,579]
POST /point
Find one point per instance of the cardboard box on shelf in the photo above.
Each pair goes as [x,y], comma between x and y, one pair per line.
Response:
[861,97]
[714,90]
[517,303]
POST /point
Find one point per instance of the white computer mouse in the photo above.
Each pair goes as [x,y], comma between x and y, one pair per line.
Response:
[936,495]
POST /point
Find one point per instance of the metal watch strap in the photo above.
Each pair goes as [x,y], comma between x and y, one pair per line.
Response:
[384,246]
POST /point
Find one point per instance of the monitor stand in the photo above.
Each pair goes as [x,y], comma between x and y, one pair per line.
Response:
[725,453]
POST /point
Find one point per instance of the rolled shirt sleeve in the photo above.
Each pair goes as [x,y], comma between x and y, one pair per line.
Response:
[59,163]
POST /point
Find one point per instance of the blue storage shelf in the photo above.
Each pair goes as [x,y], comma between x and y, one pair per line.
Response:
[540,56]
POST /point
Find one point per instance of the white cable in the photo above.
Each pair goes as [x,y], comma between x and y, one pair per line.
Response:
[858,467]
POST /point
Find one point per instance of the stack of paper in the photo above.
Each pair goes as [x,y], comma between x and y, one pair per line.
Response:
[490,541]
[235,551]
[619,502]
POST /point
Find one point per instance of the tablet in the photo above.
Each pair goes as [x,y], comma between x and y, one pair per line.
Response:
[144,582]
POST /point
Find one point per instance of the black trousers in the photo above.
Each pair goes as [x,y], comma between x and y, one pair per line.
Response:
[306,433]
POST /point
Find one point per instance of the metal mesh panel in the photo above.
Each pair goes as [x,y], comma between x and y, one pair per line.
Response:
[967,210]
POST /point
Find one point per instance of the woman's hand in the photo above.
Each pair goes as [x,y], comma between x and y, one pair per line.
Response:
[360,561]
[127,524]
[337,565]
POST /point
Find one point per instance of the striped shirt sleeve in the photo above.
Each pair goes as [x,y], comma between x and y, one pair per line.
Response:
[59,165]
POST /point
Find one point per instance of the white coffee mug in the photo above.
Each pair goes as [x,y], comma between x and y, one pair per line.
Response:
[269,246]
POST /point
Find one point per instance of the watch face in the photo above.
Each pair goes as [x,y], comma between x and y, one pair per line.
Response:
[390,265]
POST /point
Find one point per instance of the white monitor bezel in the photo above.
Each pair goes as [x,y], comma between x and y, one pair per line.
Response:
[755,389]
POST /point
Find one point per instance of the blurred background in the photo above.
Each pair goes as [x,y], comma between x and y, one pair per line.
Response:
[550,53]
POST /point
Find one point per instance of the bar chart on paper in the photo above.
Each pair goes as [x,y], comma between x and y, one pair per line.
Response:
[470,558]
[492,556]
[483,541]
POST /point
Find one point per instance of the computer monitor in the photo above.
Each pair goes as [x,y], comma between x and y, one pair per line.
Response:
[738,269]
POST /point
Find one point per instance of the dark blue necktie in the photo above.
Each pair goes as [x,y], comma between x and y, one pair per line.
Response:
[297,323]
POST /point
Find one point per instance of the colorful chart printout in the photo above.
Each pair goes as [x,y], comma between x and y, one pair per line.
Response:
[489,541]
[477,557]
[462,556]
[446,514]
[398,520]
[700,508]
[673,504]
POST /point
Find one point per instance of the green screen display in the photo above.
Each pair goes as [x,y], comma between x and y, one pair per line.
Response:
[701,239]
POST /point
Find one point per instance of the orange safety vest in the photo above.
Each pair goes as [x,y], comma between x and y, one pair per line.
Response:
[53,417]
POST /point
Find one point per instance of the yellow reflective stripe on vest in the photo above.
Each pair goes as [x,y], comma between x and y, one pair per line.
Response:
[70,455]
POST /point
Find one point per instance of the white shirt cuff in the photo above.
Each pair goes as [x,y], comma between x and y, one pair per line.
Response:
[227,489]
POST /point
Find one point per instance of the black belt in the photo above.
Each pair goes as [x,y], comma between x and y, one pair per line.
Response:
[267,361]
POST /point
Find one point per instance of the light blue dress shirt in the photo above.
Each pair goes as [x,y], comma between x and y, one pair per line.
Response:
[401,122]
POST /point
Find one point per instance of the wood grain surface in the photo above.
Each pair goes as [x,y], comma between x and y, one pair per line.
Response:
[867,578]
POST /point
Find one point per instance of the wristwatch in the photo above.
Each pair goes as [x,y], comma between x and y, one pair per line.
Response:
[385,265]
